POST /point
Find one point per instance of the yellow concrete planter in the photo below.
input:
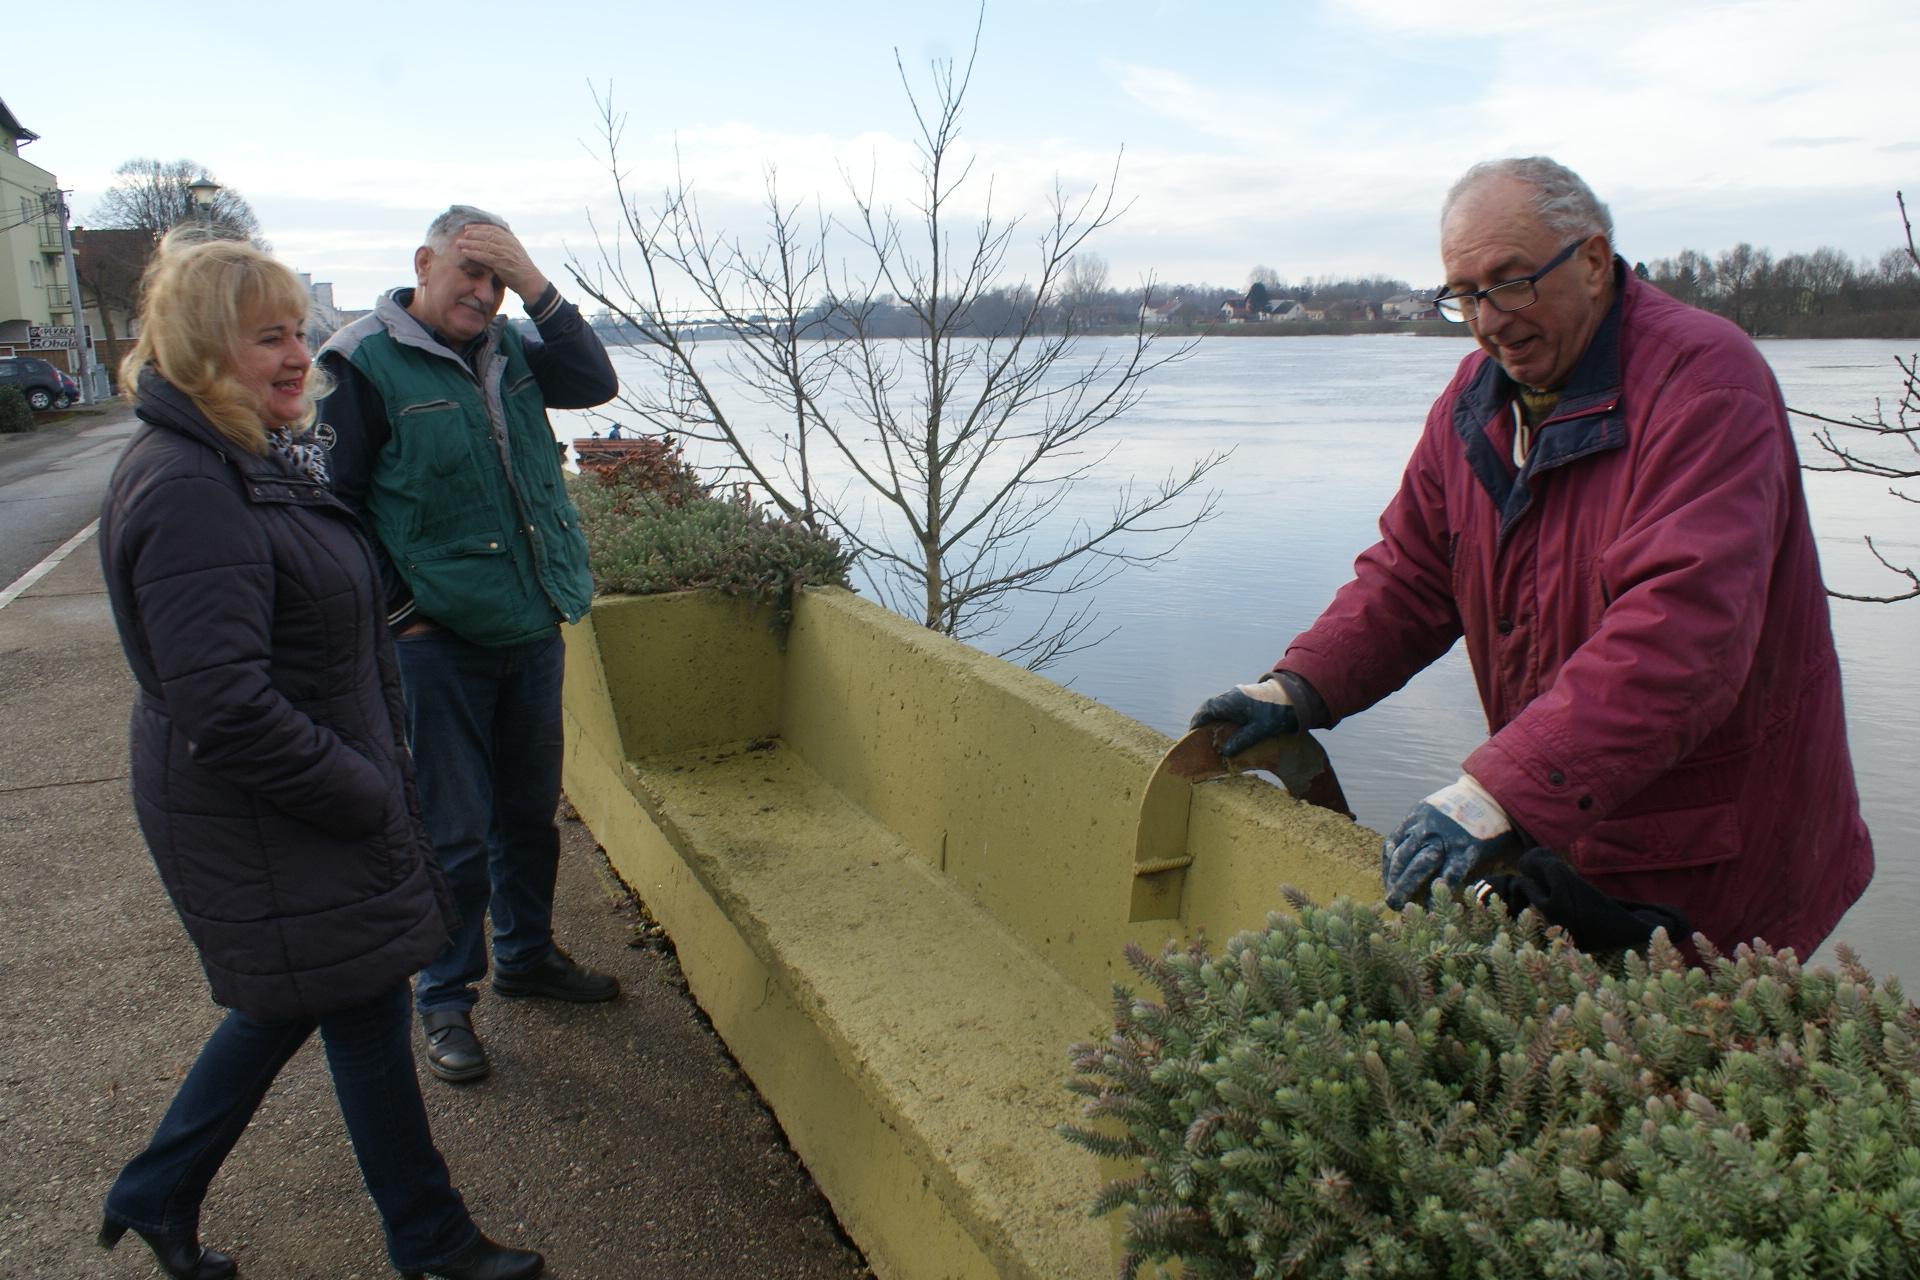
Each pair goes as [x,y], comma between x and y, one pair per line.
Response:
[899,874]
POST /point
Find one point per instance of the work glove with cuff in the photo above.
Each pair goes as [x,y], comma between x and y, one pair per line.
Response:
[1450,836]
[1262,710]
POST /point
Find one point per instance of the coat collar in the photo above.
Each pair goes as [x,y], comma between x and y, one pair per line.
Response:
[1596,376]
[165,407]
[409,332]
[161,404]
[1586,420]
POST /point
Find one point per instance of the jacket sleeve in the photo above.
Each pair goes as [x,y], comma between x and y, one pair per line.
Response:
[1687,576]
[357,414]
[1397,615]
[202,580]
[569,362]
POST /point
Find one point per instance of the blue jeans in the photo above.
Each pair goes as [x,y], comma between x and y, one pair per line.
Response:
[370,1057]
[484,724]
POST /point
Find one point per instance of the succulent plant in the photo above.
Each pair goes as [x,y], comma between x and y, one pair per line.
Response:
[1449,1091]
[652,526]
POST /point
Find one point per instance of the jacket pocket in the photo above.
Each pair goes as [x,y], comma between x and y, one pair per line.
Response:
[1465,577]
[428,406]
[451,579]
[1687,817]
[1593,584]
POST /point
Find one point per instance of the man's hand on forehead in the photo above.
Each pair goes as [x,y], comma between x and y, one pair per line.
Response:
[479,235]
[501,252]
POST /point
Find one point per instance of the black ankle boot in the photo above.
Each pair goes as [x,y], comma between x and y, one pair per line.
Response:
[485,1260]
[182,1257]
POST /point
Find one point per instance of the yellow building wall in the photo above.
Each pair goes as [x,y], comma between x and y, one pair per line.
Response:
[20,300]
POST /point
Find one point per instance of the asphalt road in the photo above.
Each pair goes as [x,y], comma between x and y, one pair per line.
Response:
[51,481]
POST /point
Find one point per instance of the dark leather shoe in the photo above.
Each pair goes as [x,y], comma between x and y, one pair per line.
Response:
[485,1260]
[558,978]
[182,1257]
[454,1053]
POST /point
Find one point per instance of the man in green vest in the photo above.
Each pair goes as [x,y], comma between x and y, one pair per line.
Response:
[437,433]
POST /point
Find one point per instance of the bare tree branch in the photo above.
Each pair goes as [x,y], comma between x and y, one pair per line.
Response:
[1883,437]
[949,395]
[155,196]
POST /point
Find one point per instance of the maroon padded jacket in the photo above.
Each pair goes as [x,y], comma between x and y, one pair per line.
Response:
[1643,608]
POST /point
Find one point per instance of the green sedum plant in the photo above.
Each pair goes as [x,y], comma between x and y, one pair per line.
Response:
[652,526]
[1451,1092]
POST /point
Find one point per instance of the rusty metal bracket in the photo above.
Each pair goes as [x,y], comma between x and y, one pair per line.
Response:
[1160,858]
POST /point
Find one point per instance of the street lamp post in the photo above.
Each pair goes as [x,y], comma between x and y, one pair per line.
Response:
[203,190]
[58,201]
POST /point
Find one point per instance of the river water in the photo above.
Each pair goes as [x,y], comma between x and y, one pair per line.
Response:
[1319,429]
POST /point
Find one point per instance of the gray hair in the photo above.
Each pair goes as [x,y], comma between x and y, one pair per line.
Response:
[442,230]
[1564,203]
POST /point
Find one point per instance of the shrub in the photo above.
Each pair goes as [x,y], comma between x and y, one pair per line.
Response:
[1449,1092]
[652,527]
[15,416]
[653,464]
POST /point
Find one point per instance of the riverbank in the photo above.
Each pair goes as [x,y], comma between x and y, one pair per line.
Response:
[1894,326]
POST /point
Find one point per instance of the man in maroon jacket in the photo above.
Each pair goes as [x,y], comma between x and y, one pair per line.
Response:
[1606,503]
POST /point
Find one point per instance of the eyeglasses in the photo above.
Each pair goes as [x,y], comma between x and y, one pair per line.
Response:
[1509,295]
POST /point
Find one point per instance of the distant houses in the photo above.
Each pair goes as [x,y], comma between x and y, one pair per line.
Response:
[1256,310]
[1409,306]
[1259,306]
[1265,305]
[1159,313]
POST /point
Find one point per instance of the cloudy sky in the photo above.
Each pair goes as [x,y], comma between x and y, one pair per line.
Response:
[1315,137]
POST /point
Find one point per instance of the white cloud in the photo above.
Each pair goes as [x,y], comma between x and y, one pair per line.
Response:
[1321,144]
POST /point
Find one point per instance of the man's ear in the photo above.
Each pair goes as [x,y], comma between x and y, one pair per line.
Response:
[1596,263]
[422,259]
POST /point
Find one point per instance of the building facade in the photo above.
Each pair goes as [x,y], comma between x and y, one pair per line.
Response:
[33,279]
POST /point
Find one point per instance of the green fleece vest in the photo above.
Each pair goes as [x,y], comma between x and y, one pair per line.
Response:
[498,559]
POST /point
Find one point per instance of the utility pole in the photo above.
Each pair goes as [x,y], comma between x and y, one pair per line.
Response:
[85,378]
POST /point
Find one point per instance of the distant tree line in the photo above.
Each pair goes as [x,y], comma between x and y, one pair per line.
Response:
[1374,289]
[1080,301]
[1823,294]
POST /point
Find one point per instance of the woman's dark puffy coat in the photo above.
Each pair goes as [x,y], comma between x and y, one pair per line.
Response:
[270,770]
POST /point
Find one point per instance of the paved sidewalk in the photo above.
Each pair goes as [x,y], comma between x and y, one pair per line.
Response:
[619,1139]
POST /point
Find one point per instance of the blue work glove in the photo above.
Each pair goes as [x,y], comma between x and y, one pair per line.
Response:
[1448,837]
[1261,710]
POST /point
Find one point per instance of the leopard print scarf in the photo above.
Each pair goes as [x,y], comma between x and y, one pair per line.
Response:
[301,453]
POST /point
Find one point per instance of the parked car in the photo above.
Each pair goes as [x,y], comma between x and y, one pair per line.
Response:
[69,392]
[38,381]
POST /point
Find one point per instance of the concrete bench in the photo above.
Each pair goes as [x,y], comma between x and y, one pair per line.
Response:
[899,875]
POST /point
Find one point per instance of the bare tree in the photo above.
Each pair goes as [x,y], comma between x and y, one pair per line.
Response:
[1739,275]
[947,458]
[109,264]
[1872,445]
[155,196]
[1083,287]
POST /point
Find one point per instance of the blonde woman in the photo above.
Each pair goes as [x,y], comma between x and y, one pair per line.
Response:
[270,771]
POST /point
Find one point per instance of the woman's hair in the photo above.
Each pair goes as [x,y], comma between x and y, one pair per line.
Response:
[199,297]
